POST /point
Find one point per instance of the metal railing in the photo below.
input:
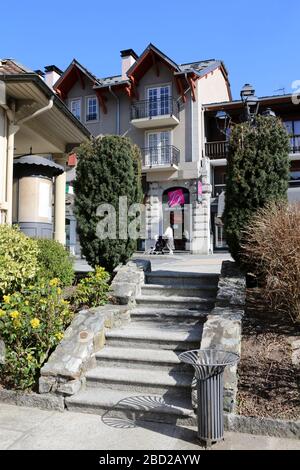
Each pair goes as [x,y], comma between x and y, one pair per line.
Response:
[295,143]
[219,149]
[152,108]
[216,149]
[160,156]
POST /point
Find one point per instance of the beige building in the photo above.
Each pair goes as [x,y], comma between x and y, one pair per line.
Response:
[158,104]
[37,132]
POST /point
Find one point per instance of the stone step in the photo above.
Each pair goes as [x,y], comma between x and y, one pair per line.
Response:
[167,314]
[139,380]
[148,335]
[120,407]
[175,301]
[178,291]
[137,358]
[182,279]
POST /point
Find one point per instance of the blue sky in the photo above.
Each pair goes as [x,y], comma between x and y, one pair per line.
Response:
[257,42]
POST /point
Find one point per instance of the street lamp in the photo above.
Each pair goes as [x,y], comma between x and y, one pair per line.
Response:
[246,91]
[223,121]
[252,105]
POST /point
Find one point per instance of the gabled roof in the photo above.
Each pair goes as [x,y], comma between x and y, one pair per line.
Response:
[151,56]
[10,66]
[147,58]
[23,83]
[74,72]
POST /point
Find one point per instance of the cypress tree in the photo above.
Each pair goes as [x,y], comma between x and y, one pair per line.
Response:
[257,172]
[108,167]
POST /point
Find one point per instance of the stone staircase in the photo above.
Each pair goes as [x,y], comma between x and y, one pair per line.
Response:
[138,373]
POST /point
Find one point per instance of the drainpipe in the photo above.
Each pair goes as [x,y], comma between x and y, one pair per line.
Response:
[39,111]
[118,110]
[12,130]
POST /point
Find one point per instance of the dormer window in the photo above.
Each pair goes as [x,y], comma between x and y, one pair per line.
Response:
[75,108]
[92,111]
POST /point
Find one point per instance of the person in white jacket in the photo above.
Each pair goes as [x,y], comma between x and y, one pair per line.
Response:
[169,237]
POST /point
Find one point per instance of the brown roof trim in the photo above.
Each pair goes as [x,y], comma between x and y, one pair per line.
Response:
[66,73]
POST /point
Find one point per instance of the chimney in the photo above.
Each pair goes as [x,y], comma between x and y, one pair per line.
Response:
[52,74]
[40,73]
[128,59]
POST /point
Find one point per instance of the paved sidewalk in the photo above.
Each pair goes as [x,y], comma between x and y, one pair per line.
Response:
[31,428]
[185,262]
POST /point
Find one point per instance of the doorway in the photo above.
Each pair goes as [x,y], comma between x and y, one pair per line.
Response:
[176,204]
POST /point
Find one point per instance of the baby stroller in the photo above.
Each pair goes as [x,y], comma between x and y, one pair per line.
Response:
[159,247]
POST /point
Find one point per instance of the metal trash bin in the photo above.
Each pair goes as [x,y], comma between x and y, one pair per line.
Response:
[209,365]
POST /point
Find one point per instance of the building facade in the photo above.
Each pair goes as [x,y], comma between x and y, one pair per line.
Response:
[158,104]
[287,108]
[169,110]
[37,131]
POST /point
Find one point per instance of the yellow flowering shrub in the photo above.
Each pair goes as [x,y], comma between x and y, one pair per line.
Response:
[32,323]
[92,290]
[18,260]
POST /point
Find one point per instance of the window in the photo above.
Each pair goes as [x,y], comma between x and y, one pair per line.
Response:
[75,108]
[159,149]
[91,109]
[219,176]
[295,174]
[159,100]
[293,129]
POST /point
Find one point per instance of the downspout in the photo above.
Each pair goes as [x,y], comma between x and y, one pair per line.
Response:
[13,128]
[118,110]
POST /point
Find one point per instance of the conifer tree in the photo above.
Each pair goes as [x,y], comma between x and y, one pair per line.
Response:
[257,172]
[108,168]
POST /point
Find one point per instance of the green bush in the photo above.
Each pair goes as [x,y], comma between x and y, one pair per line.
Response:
[18,259]
[32,323]
[54,261]
[257,172]
[92,290]
[111,166]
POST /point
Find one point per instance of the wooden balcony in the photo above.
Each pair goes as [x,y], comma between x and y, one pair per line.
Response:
[216,150]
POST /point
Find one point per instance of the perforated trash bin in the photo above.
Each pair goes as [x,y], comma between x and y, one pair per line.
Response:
[209,365]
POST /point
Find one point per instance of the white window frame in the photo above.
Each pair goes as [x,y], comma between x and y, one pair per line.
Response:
[158,131]
[71,100]
[158,87]
[87,98]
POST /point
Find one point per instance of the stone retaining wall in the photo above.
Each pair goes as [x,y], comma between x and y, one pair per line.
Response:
[64,371]
[223,327]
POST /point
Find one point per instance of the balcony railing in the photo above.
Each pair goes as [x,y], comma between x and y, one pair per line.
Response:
[216,150]
[167,155]
[295,143]
[154,108]
[219,149]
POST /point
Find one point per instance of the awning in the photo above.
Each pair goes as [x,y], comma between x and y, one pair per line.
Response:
[52,168]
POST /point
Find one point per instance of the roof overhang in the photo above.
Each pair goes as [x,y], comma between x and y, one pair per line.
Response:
[74,73]
[266,101]
[151,56]
[50,132]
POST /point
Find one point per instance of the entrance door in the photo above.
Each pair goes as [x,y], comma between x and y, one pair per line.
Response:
[159,100]
[176,214]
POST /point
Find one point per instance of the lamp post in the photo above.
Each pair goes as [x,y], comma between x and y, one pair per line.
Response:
[246,91]
[223,121]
